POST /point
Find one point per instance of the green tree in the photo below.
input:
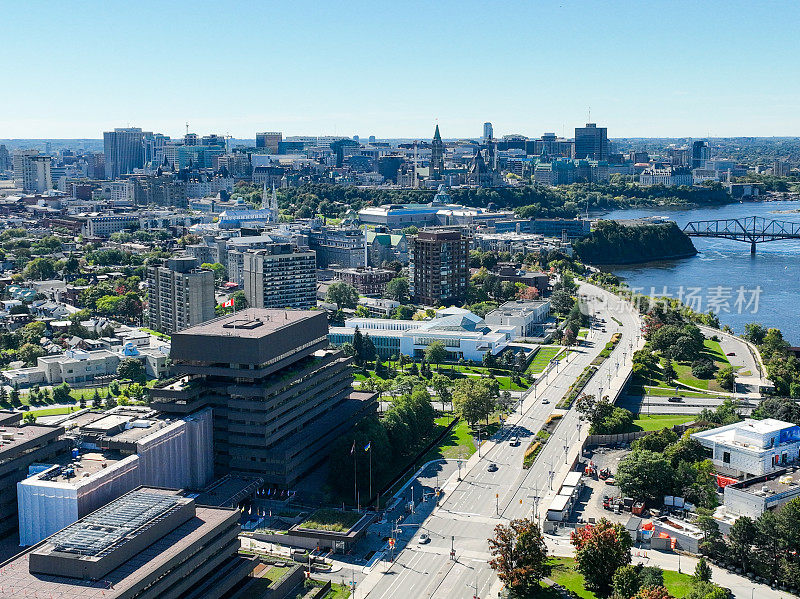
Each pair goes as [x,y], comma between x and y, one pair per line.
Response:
[29,352]
[220,272]
[726,377]
[519,555]
[397,289]
[702,571]
[61,394]
[29,418]
[754,332]
[600,550]
[343,295]
[442,387]
[740,541]
[645,475]
[131,369]
[435,353]
[625,582]
[561,301]
[39,269]
[474,399]
[33,332]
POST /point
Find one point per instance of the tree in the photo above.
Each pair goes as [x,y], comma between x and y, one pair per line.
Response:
[218,269]
[645,475]
[369,352]
[29,352]
[33,332]
[29,418]
[703,368]
[435,353]
[600,550]
[96,401]
[132,370]
[726,378]
[397,289]
[343,295]
[754,332]
[702,571]
[474,398]
[14,398]
[740,541]
[39,269]
[561,301]
[669,371]
[358,347]
[519,555]
[441,386]
[625,582]
[61,394]
[651,576]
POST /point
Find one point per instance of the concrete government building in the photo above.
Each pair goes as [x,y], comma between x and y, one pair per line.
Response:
[280,396]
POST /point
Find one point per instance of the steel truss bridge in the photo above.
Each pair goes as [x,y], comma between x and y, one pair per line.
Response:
[751,229]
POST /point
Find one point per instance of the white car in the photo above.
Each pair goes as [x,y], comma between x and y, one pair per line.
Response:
[545,401]
[424,539]
[514,441]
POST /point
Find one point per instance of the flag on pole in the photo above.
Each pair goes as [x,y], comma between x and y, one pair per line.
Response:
[368,446]
[227,304]
[353,449]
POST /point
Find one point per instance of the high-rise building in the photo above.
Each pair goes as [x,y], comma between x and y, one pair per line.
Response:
[279,397]
[280,276]
[179,295]
[124,151]
[439,267]
[591,142]
[5,159]
[780,168]
[700,153]
[269,141]
[35,172]
[437,155]
[488,131]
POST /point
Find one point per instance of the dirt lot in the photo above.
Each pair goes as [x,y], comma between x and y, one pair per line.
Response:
[590,505]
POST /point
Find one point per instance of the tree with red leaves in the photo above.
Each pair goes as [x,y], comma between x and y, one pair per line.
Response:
[519,555]
[653,593]
[599,550]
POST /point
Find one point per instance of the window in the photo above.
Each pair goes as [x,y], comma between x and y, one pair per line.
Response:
[726,457]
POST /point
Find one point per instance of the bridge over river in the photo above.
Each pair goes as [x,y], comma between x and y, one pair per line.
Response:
[750,229]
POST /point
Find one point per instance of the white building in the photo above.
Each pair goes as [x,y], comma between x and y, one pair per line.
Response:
[463,334]
[752,447]
[527,318]
[117,452]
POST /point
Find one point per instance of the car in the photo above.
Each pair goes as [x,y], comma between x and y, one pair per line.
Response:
[545,401]
[675,399]
[731,353]
[424,539]
[492,467]
[513,441]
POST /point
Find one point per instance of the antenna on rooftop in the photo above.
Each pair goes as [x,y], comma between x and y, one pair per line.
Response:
[187,127]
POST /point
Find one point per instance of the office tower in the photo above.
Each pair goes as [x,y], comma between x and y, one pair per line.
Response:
[591,142]
[151,543]
[780,168]
[190,139]
[123,150]
[700,153]
[269,141]
[488,131]
[280,276]
[437,155]
[179,295]
[439,267]
[279,397]
[5,159]
[34,172]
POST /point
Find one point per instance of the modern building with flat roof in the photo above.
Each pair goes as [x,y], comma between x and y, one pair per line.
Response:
[179,294]
[280,276]
[280,397]
[752,447]
[151,543]
[21,447]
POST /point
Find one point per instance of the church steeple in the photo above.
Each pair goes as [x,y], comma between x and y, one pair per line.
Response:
[437,155]
[436,135]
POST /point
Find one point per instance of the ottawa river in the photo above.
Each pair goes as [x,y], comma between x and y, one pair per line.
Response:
[723,275]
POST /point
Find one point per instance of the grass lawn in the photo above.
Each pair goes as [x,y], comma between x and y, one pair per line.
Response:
[54,411]
[670,391]
[564,573]
[457,444]
[655,422]
[542,358]
[333,520]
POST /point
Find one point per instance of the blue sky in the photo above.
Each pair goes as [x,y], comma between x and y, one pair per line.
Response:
[391,69]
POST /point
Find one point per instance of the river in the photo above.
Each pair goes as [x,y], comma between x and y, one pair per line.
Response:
[724,276]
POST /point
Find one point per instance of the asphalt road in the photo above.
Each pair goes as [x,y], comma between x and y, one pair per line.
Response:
[471,508]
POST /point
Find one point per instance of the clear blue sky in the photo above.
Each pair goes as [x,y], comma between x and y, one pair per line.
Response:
[391,69]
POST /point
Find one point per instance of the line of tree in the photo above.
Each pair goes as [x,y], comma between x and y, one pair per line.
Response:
[613,243]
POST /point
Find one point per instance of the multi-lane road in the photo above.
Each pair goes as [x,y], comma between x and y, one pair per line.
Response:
[470,508]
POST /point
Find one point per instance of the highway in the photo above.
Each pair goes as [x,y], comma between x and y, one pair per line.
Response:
[471,508]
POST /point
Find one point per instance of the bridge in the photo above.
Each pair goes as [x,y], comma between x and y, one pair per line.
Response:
[751,229]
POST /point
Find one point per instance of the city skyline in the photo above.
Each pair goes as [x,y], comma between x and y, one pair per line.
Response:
[642,71]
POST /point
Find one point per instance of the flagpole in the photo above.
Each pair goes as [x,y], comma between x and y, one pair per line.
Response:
[370,471]
[355,477]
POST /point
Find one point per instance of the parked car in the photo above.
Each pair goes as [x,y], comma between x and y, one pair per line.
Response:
[492,467]
[424,539]
[731,353]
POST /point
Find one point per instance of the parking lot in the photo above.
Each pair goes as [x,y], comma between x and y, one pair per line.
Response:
[590,505]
